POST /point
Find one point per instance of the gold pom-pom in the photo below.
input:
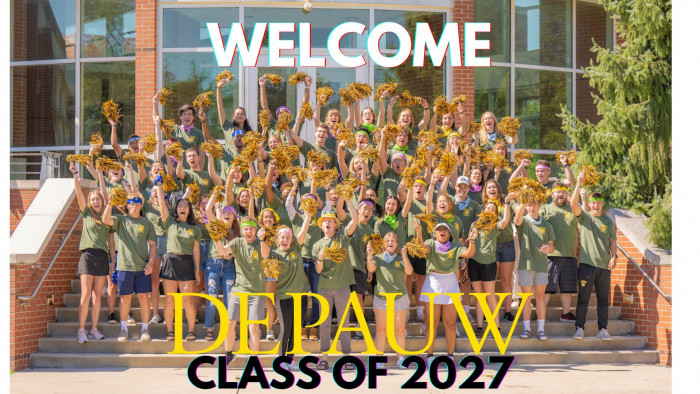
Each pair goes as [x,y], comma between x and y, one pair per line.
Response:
[217,229]
[322,177]
[487,221]
[251,140]
[248,154]
[202,100]
[516,184]
[306,111]
[279,155]
[347,95]
[270,235]
[430,219]
[215,149]
[219,192]
[194,197]
[271,267]
[149,142]
[323,94]
[443,106]
[274,79]
[377,243]
[163,95]
[391,87]
[105,164]
[477,155]
[296,171]
[342,133]
[168,183]
[117,196]
[409,175]
[474,128]
[175,149]
[167,126]
[369,153]
[257,185]
[429,138]
[138,158]
[315,156]
[309,204]
[509,126]
[461,99]
[521,154]
[226,74]
[264,118]
[292,152]
[416,249]
[111,111]
[391,131]
[528,190]
[571,157]
[495,159]
[447,163]
[335,253]
[297,78]
[96,140]
[405,99]
[239,162]
[83,160]
[283,121]
[347,187]
[590,175]
[362,90]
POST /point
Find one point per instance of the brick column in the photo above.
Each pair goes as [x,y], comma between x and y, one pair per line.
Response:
[146,26]
[463,77]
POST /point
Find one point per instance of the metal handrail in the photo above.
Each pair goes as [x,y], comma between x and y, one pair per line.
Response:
[664,295]
[24,299]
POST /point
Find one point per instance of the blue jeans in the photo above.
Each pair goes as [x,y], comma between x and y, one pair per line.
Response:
[204,247]
[312,275]
[218,273]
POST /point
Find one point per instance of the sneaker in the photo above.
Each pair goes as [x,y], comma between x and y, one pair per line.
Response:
[123,335]
[457,331]
[145,336]
[82,336]
[429,360]
[155,319]
[420,315]
[334,320]
[230,360]
[305,333]
[399,362]
[111,319]
[95,333]
[286,366]
[359,335]
[579,333]
[479,332]
[131,319]
[542,336]
[567,317]
[422,329]
[508,317]
[603,334]
[270,335]
[313,334]
[515,303]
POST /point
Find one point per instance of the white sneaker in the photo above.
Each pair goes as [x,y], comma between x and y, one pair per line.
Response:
[95,333]
[429,360]
[82,336]
[420,315]
[457,330]
[270,335]
[603,334]
[123,335]
[130,319]
[399,362]
[145,336]
[422,329]
[155,319]
[579,333]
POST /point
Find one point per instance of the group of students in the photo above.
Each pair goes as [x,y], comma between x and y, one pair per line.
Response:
[160,236]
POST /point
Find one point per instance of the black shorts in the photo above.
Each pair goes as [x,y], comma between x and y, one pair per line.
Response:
[418,264]
[481,272]
[360,286]
[93,262]
[179,267]
[563,275]
[505,252]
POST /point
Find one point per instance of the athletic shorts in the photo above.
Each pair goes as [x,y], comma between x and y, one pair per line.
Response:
[129,282]
[93,262]
[256,307]
[400,303]
[418,264]
[532,278]
[563,275]
[441,284]
[360,286]
[179,267]
[481,272]
[505,252]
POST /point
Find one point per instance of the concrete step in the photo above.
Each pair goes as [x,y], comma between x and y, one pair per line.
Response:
[68,314]
[103,360]
[554,328]
[161,346]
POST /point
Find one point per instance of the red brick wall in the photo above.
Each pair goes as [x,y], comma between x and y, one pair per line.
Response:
[650,312]
[146,26]
[20,199]
[463,77]
[28,322]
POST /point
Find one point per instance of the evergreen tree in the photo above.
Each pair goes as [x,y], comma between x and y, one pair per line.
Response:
[631,144]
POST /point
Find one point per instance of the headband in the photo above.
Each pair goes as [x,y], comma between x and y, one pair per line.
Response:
[134,200]
[280,108]
[542,167]
[134,138]
[399,155]
[455,135]
[237,132]
[284,230]
[229,208]
[158,180]
[421,181]
[370,203]
[600,199]
[362,132]
[562,188]
[249,223]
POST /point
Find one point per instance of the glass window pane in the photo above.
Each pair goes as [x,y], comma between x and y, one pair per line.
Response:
[427,82]
[592,24]
[585,107]
[408,19]
[322,22]
[187,27]
[538,99]
[43,105]
[497,12]
[188,75]
[108,28]
[491,91]
[43,29]
[101,82]
[543,32]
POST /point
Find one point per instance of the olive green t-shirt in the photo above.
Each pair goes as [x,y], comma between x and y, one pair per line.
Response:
[205,233]
[213,252]
[133,235]
[506,234]
[357,246]
[596,233]
[443,262]
[468,214]
[250,277]
[95,234]
[485,245]
[532,235]
[334,276]
[382,227]
[417,207]
[564,225]
[390,276]
[331,159]
[181,236]
[153,215]
[457,230]
[389,182]
[292,278]
[313,234]
[192,139]
[202,179]
[476,196]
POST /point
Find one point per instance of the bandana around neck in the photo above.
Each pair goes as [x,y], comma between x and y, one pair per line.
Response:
[389,258]
[475,188]
[390,220]
[443,248]
[463,204]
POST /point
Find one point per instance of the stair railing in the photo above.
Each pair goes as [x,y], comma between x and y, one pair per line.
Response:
[648,278]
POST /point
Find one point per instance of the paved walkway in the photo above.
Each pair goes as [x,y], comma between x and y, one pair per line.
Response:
[615,378]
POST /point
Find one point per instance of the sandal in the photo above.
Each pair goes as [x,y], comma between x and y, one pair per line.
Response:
[525,335]
[191,336]
[322,366]
[209,336]
[170,336]
[542,336]
[479,332]
[349,367]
